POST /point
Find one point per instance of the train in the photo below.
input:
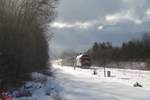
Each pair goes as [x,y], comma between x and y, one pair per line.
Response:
[83,60]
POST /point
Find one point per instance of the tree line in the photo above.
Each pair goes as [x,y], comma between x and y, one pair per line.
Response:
[134,50]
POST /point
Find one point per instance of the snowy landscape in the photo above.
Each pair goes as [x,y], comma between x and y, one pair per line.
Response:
[74,50]
[81,84]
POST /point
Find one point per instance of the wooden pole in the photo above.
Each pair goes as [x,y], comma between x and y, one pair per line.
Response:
[104,71]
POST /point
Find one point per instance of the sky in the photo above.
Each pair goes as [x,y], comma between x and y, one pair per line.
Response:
[80,23]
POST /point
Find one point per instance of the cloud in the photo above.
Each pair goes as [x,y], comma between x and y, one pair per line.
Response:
[148,12]
[85,10]
[61,25]
[118,17]
[100,27]
[80,25]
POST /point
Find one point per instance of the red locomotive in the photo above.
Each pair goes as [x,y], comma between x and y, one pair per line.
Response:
[83,60]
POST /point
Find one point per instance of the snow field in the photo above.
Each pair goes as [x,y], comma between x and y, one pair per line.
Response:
[81,84]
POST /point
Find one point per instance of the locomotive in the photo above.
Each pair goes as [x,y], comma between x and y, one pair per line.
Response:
[83,60]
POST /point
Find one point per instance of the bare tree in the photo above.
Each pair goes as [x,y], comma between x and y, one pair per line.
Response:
[23,37]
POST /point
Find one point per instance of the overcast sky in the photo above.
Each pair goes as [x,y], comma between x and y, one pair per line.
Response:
[80,23]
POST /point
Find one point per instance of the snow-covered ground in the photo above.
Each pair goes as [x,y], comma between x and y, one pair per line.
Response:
[81,84]
[42,87]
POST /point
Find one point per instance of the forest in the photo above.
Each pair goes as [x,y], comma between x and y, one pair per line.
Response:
[135,50]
